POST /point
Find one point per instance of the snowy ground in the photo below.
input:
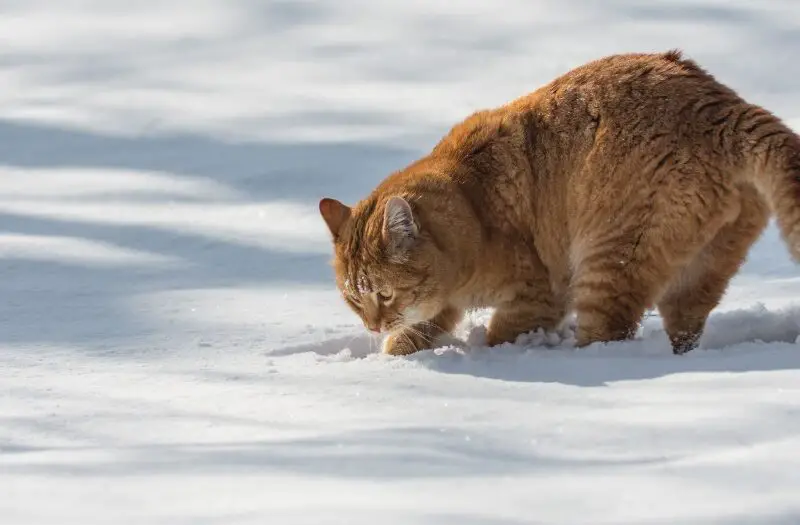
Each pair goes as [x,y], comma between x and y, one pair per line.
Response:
[171,346]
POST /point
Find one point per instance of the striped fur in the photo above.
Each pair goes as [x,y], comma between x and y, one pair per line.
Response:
[630,181]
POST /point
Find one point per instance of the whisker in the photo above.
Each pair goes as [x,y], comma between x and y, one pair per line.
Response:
[431,324]
[425,337]
[424,330]
[408,339]
[347,344]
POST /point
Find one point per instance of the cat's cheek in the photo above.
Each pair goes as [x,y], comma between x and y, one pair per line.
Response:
[413,315]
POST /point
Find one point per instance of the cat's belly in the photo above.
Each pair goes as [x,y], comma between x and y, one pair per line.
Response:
[485,297]
[511,267]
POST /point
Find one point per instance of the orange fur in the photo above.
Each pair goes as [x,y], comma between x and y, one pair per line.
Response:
[630,181]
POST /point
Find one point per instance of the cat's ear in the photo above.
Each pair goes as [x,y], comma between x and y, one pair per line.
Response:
[335,215]
[399,227]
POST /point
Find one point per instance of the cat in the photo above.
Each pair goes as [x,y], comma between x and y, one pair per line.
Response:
[633,180]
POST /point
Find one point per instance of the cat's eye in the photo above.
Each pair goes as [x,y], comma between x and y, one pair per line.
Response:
[385,295]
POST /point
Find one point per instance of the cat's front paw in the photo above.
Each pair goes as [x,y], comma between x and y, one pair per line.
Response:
[401,343]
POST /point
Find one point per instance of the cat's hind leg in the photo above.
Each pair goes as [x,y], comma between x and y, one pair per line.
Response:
[698,288]
[623,270]
[635,232]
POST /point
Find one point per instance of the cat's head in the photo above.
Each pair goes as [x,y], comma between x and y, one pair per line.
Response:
[388,267]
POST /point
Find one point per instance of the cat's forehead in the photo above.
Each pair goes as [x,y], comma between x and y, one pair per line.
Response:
[358,284]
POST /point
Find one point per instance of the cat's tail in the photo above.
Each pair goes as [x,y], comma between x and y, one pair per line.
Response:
[772,164]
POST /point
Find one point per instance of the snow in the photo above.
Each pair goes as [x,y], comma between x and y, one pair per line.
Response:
[173,350]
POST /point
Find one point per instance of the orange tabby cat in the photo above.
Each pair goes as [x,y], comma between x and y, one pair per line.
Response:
[633,180]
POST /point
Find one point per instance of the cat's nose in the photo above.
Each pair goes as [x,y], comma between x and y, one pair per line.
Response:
[374,327]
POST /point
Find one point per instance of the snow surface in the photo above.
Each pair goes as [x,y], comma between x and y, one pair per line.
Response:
[172,349]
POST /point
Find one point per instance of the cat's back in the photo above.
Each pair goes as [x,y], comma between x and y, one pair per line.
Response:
[622,71]
[635,90]
[643,93]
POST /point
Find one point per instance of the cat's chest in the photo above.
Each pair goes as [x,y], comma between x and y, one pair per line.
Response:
[485,297]
[491,291]
[502,278]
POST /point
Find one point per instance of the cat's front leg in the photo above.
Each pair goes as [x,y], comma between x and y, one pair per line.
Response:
[423,336]
[526,313]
